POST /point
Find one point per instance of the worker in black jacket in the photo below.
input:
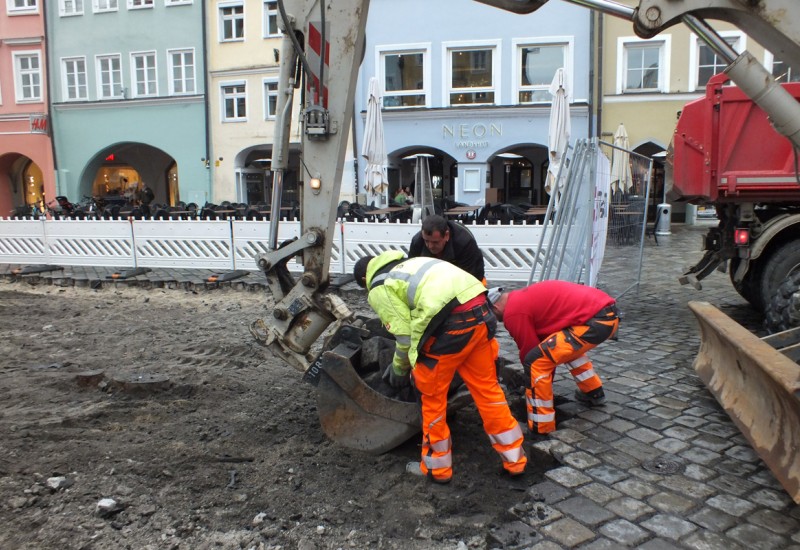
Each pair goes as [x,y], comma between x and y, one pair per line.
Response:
[451,242]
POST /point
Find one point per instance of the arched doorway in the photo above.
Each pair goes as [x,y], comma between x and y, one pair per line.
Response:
[657,178]
[22,186]
[442,167]
[517,175]
[254,178]
[125,171]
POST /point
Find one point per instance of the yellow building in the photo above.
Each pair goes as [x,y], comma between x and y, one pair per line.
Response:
[243,63]
[644,83]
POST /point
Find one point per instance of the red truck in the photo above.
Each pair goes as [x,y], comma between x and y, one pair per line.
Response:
[725,151]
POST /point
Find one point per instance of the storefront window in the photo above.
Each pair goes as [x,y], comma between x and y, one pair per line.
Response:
[172,185]
[117,181]
[33,185]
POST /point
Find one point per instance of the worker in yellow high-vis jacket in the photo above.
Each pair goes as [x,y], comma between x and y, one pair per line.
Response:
[442,324]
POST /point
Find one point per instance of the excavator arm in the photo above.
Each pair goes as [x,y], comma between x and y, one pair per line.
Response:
[323,42]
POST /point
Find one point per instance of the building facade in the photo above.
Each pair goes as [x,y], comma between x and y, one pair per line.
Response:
[26,152]
[244,40]
[645,83]
[467,87]
[180,96]
[129,105]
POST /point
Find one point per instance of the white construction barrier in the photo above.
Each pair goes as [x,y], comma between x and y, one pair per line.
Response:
[22,242]
[89,242]
[233,244]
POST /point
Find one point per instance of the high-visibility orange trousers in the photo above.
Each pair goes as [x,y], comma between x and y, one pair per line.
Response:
[568,347]
[472,354]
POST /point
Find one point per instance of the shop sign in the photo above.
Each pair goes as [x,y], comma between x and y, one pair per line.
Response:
[472,136]
[471,154]
[39,124]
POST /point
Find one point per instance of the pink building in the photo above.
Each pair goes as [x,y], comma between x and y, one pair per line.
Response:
[27,170]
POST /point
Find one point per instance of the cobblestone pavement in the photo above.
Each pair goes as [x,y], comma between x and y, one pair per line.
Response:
[661,465]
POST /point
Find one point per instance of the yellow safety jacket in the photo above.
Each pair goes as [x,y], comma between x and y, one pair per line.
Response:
[409,295]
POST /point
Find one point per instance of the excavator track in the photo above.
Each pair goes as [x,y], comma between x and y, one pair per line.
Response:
[757,385]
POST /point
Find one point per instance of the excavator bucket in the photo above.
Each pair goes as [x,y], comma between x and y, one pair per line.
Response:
[759,388]
[353,410]
[356,416]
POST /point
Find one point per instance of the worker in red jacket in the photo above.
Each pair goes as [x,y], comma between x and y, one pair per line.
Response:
[555,323]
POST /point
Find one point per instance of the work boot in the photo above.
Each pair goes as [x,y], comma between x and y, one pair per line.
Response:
[594,398]
[414,469]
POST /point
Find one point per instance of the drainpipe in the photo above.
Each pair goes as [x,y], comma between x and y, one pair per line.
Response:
[591,73]
[355,154]
[52,137]
[205,99]
[600,38]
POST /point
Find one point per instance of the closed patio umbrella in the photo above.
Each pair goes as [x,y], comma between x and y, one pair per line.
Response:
[558,137]
[373,149]
[621,179]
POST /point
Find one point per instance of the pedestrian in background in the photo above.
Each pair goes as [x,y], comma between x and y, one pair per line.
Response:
[451,242]
[442,324]
[555,323]
[400,197]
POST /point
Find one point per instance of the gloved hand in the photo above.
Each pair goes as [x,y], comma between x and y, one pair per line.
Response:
[396,380]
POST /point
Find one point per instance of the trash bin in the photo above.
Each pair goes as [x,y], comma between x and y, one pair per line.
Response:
[663,219]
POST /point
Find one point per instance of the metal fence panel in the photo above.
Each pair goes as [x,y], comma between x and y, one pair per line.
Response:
[627,226]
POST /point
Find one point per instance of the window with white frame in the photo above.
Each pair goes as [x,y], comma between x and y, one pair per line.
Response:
[405,78]
[109,77]
[181,71]
[169,3]
[270,98]
[234,101]
[22,6]
[537,65]
[642,64]
[271,29]
[73,79]
[139,4]
[471,78]
[143,74]
[781,71]
[70,7]
[231,21]
[105,5]
[705,63]
[28,76]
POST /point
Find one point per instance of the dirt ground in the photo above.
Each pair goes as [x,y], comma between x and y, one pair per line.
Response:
[223,450]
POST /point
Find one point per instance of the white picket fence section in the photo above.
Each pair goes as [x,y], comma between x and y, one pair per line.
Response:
[233,244]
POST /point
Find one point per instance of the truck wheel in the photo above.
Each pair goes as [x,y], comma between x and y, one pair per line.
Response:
[747,287]
[783,262]
[783,312]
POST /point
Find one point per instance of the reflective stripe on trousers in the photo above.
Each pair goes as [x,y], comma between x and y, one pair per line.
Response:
[471,353]
[568,347]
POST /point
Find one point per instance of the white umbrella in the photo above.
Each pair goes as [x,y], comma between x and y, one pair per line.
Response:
[374,148]
[559,131]
[621,179]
